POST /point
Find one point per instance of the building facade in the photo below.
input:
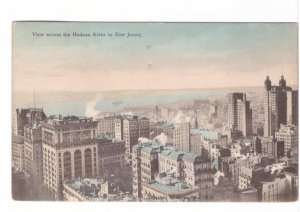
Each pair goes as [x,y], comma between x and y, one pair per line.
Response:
[289,135]
[33,153]
[106,126]
[272,147]
[111,156]
[196,142]
[144,165]
[179,135]
[292,107]
[280,104]
[130,128]
[69,151]
[236,165]
[17,153]
[239,113]
[274,190]
[151,159]
[245,178]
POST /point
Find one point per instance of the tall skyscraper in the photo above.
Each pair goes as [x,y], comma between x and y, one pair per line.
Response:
[33,153]
[213,114]
[279,106]
[239,113]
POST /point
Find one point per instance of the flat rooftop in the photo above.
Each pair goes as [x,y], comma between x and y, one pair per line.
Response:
[175,189]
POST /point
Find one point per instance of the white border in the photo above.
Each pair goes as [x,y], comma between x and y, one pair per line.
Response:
[120,10]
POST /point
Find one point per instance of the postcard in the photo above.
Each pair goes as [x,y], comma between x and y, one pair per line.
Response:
[154,112]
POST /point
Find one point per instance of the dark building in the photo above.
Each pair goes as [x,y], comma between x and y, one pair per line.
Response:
[257,145]
[272,147]
[111,156]
[225,152]
[28,116]
[225,168]
[33,153]
[292,107]
[279,106]
[19,186]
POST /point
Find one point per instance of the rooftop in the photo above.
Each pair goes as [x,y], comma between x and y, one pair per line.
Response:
[206,133]
[90,189]
[130,117]
[103,138]
[172,189]
[168,125]
[151,149]
[176,155]
[189,157]
[87,191]
[30,109]
[60,120]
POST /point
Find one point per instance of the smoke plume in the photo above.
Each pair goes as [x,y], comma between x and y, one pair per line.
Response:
[129,113]
[276,167]
[143,140]
[181,118]
[217,176]
[90,110]
[162,139]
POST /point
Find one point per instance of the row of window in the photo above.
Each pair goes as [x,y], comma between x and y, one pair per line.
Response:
[106,160]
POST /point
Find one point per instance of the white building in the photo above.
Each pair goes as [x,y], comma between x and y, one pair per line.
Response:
[151,158]
[239,113]
[245,177]
[289,135]
[106,126]
[179,135]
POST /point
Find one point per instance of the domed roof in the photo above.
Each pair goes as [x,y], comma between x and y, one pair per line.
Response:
[282,82]
[268,83]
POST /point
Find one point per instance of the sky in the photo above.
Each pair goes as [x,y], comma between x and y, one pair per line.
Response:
[165,56]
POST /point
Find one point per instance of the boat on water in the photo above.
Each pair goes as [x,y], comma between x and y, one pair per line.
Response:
[117,102]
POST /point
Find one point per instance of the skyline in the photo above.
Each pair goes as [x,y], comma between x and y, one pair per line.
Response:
[201,52]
